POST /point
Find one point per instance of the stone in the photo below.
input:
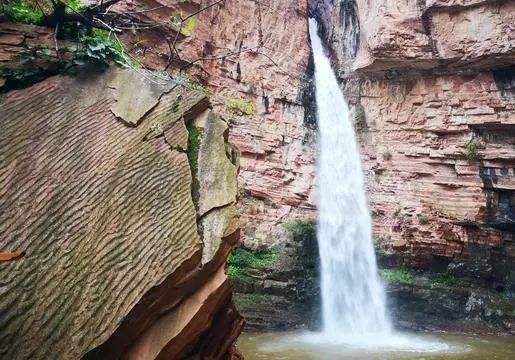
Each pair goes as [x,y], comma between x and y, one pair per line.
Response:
[277,149]
[105,218]
[136,96]
[216,173]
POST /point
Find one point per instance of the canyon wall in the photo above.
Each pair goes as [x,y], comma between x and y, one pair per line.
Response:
[255,59]
[432,86]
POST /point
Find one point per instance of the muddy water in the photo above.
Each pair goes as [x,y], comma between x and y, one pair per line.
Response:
[287,346]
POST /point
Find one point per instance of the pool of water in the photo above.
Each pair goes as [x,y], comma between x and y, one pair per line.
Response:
[303,346]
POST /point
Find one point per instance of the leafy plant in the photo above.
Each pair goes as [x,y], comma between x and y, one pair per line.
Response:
[186,27]
[33,11]
[21,78]
[402,276]
[472,151]
[301,227]
[98,48]
[242,258]
[24,11]
[241,106]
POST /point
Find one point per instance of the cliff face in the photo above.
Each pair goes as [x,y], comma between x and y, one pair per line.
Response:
[260,84]
[432,87]
[125,222]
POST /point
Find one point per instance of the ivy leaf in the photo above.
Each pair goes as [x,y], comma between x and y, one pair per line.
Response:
[189,26]
[97,47]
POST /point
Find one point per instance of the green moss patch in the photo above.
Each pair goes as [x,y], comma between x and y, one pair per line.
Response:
[242,258]
[241,106]
[301,227]
[472,151]
[194,138]
[401,276]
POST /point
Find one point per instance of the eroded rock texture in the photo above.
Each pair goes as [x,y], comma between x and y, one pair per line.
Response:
[96,190]
[432,87]
[253,55]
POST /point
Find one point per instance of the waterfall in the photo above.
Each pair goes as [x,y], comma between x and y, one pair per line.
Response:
[353,298]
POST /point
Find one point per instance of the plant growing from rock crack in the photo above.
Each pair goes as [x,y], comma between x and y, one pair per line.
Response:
[472,151]
[422,219]
[241,106]
[360,116]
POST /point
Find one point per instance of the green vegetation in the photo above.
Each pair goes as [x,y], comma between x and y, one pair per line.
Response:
[193,148]
[94,47]
[472,150]
[253,259]
[446,279]
[194,138]
[360,116]
[401,276]
[422,219]
[301,227]
[21,78]
[186,27]
[242,259]
[34,11]
[99,47]
[241,106]
[24,11]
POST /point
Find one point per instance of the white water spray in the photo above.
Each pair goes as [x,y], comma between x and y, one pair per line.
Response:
[353,298]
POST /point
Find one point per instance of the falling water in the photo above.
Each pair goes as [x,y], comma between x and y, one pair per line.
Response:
[353,298]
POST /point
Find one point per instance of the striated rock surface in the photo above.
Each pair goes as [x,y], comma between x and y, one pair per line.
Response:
[254,57]
[97,195]
[432,87]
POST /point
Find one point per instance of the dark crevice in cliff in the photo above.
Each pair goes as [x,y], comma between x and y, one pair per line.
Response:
[349,22]
[505,80]
[307,95]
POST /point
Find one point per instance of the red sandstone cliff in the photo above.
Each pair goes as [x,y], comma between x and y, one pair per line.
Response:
[433,88]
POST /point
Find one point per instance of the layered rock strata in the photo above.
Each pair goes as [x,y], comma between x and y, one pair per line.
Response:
[98,182]
[254,57]
[432,87]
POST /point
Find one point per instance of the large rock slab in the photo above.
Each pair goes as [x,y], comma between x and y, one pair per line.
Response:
[104,215]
